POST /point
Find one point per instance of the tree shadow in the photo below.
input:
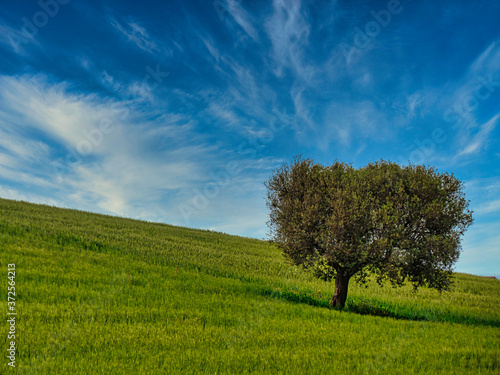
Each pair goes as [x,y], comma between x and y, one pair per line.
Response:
[296,297]
[382,309]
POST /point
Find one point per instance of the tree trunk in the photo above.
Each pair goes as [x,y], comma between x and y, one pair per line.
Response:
[340,296]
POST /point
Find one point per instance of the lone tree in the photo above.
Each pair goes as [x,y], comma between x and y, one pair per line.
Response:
[398,223]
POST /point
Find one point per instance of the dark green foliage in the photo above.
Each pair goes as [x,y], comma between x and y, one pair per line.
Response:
[400,223]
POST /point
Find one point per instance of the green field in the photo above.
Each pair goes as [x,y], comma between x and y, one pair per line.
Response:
[104,295]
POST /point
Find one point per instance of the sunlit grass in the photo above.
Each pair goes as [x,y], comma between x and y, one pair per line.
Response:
[106,295]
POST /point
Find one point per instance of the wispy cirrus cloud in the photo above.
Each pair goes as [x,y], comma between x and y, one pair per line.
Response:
[470,94]
[480,139]
[488,207]
[461,108]
[289,30]
[477,85]
[488,61]
[242,18]
[209,44]
[138,35]
[139,163]
[16,37]
[484,193]
[15,194]
[356,120]
[49,123]
[37,104]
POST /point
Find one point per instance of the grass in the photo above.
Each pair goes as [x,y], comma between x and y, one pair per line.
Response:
[105,295]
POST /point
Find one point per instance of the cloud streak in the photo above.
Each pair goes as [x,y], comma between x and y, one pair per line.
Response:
[241,17]
[289,31]
[118,172]
[479,141]
[138,35]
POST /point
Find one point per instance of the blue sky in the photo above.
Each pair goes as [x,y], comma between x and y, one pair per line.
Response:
[177,111]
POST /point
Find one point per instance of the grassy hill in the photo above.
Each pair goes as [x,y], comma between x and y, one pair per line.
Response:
[103,295]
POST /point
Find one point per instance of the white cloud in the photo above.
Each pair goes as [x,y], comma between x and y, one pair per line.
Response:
[109,81]
[344,122]
[238,205]
[128,170]
[463,105]
[415,100]
[27,151]
[488,61]
[37,104]
[288,30]
[16,38]
[479,140]
[484,194]
[223,112]
[465,95]
[302,108]
[138,35]
[241,17]
[488,208]
[15,194]
[211,48]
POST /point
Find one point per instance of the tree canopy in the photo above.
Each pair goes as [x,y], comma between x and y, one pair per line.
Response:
[400,223]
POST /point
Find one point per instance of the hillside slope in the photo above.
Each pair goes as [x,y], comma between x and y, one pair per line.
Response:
[106,295]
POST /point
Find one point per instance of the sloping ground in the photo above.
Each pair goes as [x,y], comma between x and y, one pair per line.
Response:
[105,295]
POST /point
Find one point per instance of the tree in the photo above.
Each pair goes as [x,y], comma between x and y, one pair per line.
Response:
[397,223]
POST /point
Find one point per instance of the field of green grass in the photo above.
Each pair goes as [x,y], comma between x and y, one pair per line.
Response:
[104,295]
